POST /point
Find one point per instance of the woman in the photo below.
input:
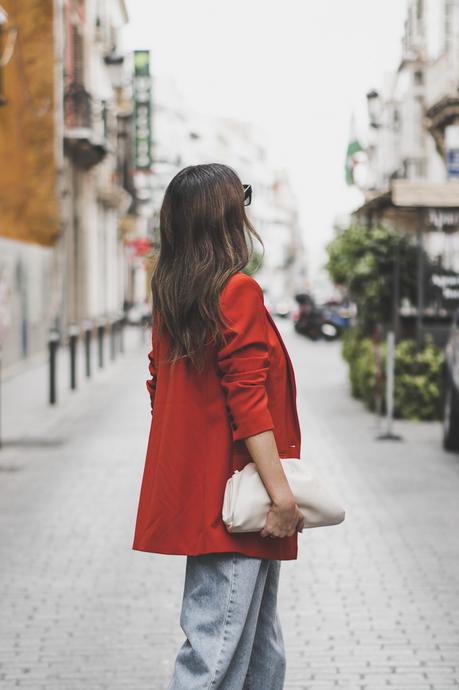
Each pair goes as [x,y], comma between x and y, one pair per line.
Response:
[223,394]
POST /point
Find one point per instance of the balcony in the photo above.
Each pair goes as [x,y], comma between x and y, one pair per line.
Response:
[441,101]
[85,127]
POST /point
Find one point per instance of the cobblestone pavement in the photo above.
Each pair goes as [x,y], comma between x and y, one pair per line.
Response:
[372,603]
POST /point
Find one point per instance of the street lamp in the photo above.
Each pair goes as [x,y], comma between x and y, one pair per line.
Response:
[374,108]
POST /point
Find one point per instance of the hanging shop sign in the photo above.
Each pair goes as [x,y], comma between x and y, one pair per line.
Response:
[442,219]
[142,111]
[447,285]
[442,291]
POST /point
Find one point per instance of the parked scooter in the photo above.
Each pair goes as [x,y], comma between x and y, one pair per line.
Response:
[315,322]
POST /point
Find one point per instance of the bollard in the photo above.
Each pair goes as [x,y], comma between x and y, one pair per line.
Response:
[145,320]
[53,344]
[87,348]
[112,339]
[73,343]
[121,335]
[389,435]
[100,343]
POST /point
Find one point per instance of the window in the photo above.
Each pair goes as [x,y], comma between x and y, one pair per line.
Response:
[77,55]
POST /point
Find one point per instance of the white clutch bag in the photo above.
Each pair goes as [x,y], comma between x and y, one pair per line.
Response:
[246,501]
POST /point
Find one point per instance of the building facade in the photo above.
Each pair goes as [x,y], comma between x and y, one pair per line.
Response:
[66,177]
[412,168]
[93,198]
[29,211]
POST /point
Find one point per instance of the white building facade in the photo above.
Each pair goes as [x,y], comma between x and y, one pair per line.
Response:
[412,167]
[93,199]
[413,137]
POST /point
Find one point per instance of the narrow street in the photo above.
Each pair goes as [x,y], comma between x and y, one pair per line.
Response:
[369,604]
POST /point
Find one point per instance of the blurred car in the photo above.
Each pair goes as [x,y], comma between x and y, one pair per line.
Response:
[451,389]
[319,321]
[338,312]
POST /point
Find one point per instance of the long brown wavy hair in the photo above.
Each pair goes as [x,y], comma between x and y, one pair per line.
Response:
[205,237]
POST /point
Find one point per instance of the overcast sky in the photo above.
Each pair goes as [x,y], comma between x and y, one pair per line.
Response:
[298,68]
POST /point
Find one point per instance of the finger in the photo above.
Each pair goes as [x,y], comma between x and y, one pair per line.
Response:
[265,529]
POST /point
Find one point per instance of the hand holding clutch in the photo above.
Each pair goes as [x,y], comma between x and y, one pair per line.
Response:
[246,501]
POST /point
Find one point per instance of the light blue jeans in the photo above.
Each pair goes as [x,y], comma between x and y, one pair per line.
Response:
[229,616]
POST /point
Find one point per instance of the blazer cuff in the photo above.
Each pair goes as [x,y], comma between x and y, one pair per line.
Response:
[250,427]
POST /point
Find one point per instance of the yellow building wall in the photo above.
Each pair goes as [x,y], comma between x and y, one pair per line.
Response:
[28,201]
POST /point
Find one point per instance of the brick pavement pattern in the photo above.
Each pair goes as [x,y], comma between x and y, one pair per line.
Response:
[370,604]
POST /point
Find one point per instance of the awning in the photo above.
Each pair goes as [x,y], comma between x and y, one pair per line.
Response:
[415,194]
[424,194]
[413,204]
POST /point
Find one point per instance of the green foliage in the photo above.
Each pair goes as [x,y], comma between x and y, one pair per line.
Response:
[418,379]
[363,260]
[359,354]
[418,375]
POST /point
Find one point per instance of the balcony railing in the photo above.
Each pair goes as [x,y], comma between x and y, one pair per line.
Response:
[77,107]
[86,126]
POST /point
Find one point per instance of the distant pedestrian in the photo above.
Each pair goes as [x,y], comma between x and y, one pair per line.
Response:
[222,393]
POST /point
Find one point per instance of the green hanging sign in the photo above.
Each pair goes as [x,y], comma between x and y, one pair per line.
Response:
[142,111]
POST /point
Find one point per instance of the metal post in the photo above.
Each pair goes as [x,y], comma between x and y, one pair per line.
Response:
[121,331]
[100,343]
[112,339]
[53,344]
[73,341]
[396,293]
[420,286]
[379,375]
[388,435]
[87,348]
[390,380]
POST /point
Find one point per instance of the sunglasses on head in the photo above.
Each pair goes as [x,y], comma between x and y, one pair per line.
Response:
[247,194]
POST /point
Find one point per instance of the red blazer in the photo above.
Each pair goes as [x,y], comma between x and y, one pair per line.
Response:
[198,425]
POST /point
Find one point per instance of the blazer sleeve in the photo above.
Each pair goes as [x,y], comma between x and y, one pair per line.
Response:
[243,361]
